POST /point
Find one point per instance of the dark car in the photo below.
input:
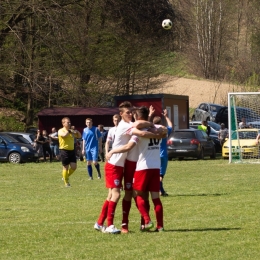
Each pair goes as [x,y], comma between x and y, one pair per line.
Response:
[214,129]
[241,112]
[19,138]
[30,137]
[15,152]
[190,143]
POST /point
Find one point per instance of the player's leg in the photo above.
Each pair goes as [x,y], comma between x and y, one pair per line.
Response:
[114,175]
[65,167]
[89,166]
[154,186]
[164,163]
[94,153]
[99,225]
[129,170]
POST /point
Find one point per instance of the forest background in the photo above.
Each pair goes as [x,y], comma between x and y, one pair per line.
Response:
[83,53]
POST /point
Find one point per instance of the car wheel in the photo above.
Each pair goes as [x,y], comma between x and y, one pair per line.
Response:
[213,156]
[14,158]
[201,155]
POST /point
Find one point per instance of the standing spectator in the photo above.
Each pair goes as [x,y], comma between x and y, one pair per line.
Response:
[111,133]
[46,146]
[92,143]
[67,153]
[222,134]
[104,138]
[205,127]
[163,145]
[54,144]
[38,143]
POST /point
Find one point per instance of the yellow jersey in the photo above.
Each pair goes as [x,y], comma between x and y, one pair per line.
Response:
[67,142]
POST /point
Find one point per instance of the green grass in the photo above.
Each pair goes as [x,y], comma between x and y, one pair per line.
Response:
[212,213]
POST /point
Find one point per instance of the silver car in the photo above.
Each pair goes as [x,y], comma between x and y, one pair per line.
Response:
[206,112]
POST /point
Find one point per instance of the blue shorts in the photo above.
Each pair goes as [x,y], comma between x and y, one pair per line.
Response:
[164,163]
[92,155]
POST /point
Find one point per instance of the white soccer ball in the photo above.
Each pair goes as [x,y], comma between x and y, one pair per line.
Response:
[167,24]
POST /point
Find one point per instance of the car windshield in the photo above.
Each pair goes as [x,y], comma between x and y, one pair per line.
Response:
[245,134]
[21,139]
[184,135]
[10,139]
[215,108]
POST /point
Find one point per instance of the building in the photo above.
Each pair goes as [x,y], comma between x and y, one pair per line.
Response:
[176,105]
[51,117]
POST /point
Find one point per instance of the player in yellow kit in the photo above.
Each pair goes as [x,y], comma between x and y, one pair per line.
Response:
[66,145]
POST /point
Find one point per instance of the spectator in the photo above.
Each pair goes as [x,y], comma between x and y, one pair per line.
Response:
[38,143]
[104,138]
[77,147]
[242,124]
[92,144]
[46,146]
[222,134]
[54,144]
[205,127]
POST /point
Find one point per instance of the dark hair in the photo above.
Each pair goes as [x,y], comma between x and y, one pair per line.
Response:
[125,104]
[142,112]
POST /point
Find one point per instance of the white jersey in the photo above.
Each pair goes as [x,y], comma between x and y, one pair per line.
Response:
[111,136]
[149,154]
[122,136]
[133,154]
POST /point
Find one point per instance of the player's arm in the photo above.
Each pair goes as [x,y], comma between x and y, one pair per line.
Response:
[83,146]
[257,138]
[168,121]
[151,113]
[122,149]
[63,133]
[140,124]
[157,134]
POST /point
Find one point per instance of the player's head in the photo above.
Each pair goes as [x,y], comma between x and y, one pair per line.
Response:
[157,120]
[89,122]
[116,119]
[142,113]
[125,109]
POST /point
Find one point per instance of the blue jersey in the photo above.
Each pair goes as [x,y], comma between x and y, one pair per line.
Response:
[91,136]
[163,145]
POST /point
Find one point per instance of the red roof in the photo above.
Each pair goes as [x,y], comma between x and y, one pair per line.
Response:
[78,111]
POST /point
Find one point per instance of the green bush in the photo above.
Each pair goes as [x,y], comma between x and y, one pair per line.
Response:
[11,124]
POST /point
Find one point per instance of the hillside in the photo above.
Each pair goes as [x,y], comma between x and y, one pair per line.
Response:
[197,90]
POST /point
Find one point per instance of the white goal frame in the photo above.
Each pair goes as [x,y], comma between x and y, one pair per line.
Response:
[230,95]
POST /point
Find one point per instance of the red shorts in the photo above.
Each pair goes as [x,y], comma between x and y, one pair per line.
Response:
[129,171]
[147,180]
[114,175]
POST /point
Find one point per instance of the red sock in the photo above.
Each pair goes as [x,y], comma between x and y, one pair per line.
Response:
[147,206]
[111,213]
[158,210]
[126,205]
[141,204]
[103,214]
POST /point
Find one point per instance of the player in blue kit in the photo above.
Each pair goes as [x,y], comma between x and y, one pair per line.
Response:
[92,145]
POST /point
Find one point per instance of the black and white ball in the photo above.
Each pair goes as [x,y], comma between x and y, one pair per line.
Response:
[167,24]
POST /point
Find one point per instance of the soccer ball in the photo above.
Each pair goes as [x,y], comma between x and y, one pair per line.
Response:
[167,24]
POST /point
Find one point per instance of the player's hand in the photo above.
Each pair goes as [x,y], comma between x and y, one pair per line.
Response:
[165,113]
[108,155]
[151,110]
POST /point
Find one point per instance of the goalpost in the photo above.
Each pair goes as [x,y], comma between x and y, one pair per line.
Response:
[243,106]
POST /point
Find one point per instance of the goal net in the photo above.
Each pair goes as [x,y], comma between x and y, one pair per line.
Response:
[244,127]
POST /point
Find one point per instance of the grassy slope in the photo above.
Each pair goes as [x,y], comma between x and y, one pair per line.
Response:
[212,213]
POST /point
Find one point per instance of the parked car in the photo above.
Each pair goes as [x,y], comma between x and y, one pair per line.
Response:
[14,152]
[247,113]
[190,143]
[206,112]
[247,145]
[20,138]
[213,133]
[28,136]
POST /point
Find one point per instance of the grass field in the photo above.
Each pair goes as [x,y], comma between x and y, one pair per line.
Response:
[212,213]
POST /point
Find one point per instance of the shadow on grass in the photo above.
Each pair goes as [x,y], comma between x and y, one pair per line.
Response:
[201,229]
[200,195]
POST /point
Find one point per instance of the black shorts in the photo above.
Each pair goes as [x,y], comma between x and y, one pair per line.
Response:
[67,157]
